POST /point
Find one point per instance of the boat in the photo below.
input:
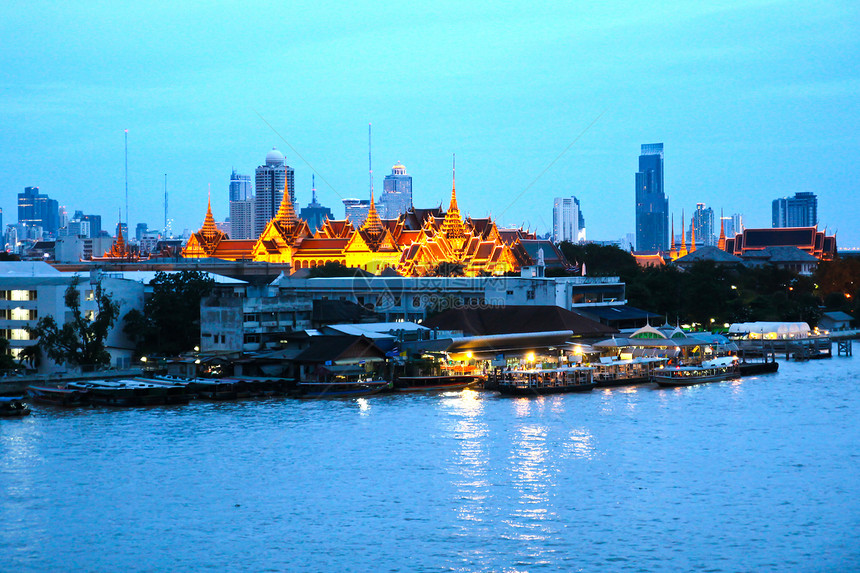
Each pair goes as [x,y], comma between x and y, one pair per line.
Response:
[610,373]
[13,407]
[58,395]
[753,368]
[545,381]
[434,383]
[709,371]
[342,389]
[130,392]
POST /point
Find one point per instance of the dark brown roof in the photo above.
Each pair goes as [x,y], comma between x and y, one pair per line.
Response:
[325,348]
[515,319]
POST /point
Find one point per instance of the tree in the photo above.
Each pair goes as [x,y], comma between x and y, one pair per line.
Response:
[81,341]
[333,269]
[6,361]
[170,323]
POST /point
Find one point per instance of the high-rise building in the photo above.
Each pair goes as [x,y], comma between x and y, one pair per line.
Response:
[568,223]
[396,193]
[315,214]
[38,210]
[242,206]
[140,230]
[241,187]
[356,210]
[269,189]
[703,219]
[95,222]
[63,217]
[798,211]
[733,225]
[652,206]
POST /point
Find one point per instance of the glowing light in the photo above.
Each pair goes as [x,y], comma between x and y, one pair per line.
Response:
[734,287]
[530,357]
[469,355]
[143,359]
[196,349]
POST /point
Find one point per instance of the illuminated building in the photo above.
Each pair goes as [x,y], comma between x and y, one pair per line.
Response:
[808,239]
[413,244]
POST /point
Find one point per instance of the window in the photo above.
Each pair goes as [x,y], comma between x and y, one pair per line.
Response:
[22,295]
[22,314]
[88,295]
[90,315]
[19,334]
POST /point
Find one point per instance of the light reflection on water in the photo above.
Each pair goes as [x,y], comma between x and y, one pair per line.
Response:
[758,474]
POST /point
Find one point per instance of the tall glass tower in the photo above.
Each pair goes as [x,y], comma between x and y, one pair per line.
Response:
[652,206]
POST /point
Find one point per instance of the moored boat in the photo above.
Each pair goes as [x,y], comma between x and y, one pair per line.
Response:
[710,371]
[434,383]
[546,381]
[13,407]
[350,389]
[58,396]
[626,372]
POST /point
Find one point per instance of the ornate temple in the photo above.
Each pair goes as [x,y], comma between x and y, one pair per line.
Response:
[413,244]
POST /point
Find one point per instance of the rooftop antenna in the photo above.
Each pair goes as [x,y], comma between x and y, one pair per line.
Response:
[126,179]
[165,203]
[313,189]
[369,163]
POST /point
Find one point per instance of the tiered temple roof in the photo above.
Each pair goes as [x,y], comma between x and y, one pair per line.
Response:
[412,244]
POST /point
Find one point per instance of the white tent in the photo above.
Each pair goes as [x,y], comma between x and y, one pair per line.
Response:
[771,330]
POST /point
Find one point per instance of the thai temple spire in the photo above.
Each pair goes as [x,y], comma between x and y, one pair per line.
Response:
[373,222]
[673,252]
[721,244]
[693,235]
[452,226]
[683,251]
[286,213]
[209,230]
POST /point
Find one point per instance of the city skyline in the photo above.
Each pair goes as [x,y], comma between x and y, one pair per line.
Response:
[566,67]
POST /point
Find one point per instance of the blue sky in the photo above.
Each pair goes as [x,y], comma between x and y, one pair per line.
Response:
[753,100]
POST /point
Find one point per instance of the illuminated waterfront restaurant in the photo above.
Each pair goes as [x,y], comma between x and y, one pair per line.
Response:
[413,244]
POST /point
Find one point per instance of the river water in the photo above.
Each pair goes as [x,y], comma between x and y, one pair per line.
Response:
[759,474]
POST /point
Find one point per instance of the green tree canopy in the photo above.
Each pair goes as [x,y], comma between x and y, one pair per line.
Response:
[80,341]
[170,322]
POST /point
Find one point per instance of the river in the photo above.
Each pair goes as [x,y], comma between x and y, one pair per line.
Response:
[758,474]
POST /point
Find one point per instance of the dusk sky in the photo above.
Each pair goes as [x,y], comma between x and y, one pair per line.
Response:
[753,100]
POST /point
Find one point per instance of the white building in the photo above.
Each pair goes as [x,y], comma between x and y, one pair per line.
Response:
[568,223]
[32,290]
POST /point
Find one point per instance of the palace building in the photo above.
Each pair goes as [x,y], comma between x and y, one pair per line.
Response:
[413,244]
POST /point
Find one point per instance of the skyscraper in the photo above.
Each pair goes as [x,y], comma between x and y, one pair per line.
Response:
[38,210]
[269,189]
[356,210]
[315,214]
[798,211]
[652,206]
[703,218]
[568,223]
[396,193]
[242,206]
